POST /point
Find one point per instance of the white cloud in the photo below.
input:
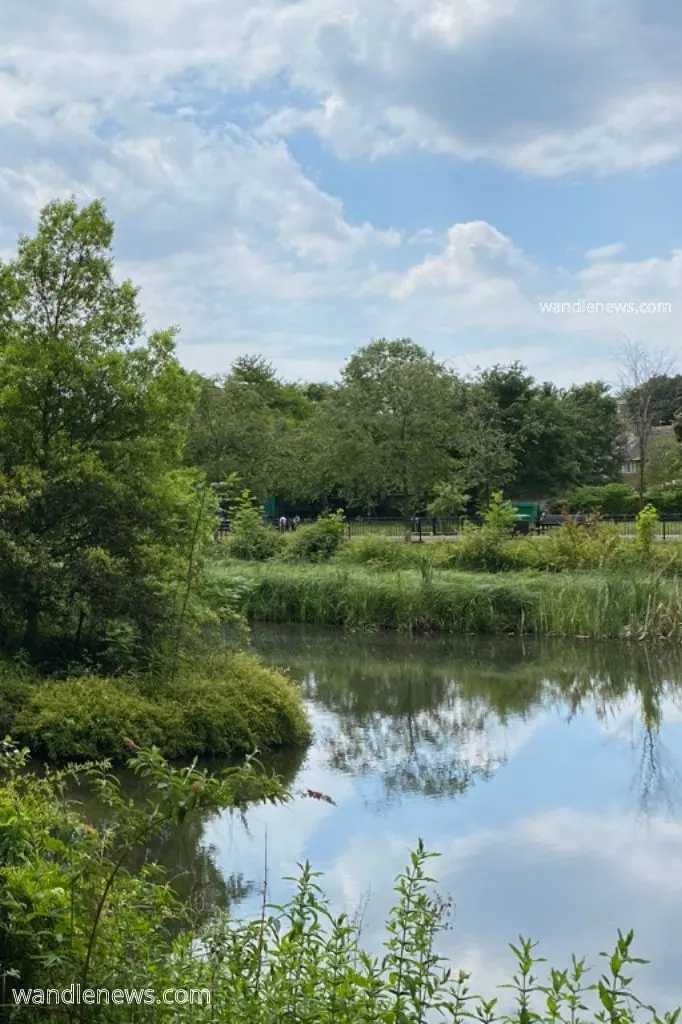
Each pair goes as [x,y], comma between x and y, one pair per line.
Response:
[604,252]
[559,877]
[476,256]
[176,113]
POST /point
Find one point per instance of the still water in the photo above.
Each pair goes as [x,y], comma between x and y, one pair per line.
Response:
[548,777]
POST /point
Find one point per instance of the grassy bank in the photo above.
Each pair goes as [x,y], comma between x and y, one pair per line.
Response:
[227,704]
[599,605]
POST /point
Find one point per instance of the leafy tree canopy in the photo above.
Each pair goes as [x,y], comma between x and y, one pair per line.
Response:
[95,506]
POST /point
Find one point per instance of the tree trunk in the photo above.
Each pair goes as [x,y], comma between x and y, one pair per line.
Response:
[643,439]
[31,627]
[79,633]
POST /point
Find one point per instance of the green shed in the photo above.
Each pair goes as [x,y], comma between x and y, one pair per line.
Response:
[527,510]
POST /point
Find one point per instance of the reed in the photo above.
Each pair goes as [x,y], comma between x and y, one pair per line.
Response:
[598,604]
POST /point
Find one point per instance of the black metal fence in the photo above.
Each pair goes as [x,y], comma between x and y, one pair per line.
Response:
[426,528]
[419,529]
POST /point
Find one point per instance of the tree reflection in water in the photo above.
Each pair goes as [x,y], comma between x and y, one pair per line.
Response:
[432,717]
[190,862]
[428,716]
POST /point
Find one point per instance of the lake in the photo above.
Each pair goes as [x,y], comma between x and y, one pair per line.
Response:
[547,775]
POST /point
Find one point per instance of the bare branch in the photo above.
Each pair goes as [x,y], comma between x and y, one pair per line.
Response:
[638,364]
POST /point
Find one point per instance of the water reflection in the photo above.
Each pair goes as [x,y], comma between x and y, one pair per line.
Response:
[435,716]
[189,858]
[546,774]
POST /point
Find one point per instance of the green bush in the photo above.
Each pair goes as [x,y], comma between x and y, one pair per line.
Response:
[668,557]
[87,717]
[612,499]
[571,546]
[481,549]
[646,528]
[318,541]
[380,553]
[665,499]
[251,540]
[15,685]
[69,909]
[499,518]
[235,704]
[227,704]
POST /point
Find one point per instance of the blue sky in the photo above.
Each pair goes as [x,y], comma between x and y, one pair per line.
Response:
[295,178]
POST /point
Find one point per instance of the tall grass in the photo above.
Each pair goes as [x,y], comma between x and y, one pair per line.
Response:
[598,605]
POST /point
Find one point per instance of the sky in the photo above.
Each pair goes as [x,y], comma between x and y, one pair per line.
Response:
[296,177]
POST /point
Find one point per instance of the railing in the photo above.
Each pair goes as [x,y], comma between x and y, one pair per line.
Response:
[669,525]
[418,528]
[424,528]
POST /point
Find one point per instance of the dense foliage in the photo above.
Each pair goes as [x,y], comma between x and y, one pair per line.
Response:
[96,508]
[104,527]
[401,431]
[72,913]
[229,704]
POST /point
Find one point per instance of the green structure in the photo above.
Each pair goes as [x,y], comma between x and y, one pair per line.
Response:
[527,510]
[527,515]
[270,508]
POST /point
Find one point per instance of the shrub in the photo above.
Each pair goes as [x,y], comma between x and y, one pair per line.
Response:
[235,704]
[665,499]
[668,557]
[318,541]
[482,549]
[15,685]
[646,528]
[69,909]
[378,552]
[252,540]
[576,546]
[87,717]
[499,518]
[227,704]
[611,499]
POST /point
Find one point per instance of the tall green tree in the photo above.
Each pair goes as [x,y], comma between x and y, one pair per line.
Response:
[391,435]
[558,439]
[234,431]
[404,423]
[95,509]
[289,400]
[594,430]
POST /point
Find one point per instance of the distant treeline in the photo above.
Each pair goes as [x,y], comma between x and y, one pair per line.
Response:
[400,431]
